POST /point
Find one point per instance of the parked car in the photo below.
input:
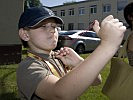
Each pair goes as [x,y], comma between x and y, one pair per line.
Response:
[79,40]
[61,32]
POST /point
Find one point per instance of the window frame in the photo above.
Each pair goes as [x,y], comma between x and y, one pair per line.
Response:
[81,10]
[93,9]
[62,12]
[71,12]
[106,8]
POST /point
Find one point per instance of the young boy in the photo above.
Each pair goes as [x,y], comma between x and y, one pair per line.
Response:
[42,75]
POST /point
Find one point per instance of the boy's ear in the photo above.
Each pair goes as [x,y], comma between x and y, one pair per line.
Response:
[23,34]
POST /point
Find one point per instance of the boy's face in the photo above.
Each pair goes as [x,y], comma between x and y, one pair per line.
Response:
[44,38]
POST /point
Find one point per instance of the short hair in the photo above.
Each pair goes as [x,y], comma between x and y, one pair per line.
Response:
[128,11]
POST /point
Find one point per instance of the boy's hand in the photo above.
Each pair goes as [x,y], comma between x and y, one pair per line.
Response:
[68,56]
[110,32]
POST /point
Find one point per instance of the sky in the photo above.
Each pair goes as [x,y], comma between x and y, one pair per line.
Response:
[51,3]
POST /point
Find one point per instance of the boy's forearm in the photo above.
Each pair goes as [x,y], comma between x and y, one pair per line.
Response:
[78,80]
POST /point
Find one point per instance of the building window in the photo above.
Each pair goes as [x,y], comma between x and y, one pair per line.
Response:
[55,12]
[107,8]
[70,26]
[81,11]
[62,12]
[80,26]
[93,9]
[71,12]
[121,4]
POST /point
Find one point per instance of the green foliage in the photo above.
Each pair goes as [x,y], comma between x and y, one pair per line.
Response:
[32,3]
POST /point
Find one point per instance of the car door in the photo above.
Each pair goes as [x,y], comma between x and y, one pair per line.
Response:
[91,41]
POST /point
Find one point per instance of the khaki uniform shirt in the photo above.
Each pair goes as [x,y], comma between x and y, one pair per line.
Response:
[130,57]
[29,73]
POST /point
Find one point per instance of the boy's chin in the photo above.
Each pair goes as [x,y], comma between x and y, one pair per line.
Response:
[53,47]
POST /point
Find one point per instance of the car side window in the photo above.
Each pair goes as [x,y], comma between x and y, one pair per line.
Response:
[87,34]
[91,34]
[95,35]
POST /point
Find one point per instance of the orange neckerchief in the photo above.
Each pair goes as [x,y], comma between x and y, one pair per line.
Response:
[55,70]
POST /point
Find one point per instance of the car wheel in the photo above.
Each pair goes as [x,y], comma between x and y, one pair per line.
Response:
[80,49]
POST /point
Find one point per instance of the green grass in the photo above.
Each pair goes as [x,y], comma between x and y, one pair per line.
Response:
[8,88]
[94,92]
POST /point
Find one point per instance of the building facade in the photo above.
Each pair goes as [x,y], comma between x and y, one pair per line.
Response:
[79,15]
[10,45]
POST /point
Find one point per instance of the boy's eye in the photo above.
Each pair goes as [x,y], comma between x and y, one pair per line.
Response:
[54,26]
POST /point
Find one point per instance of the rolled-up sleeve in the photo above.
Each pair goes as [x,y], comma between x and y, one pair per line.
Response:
[28,77]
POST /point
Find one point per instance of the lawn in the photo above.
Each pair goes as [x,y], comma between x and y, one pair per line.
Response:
[8,89]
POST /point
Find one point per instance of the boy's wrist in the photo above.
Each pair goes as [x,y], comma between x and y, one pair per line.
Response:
[79,61]
[111,47]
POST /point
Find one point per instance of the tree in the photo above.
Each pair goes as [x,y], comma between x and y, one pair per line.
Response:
[32,3]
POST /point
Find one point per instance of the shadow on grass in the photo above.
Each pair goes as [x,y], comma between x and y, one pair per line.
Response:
[8,91]
[8,96]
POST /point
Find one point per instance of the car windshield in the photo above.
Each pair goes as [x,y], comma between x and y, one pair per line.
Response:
[88,34]
[61,32]
[68,33]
